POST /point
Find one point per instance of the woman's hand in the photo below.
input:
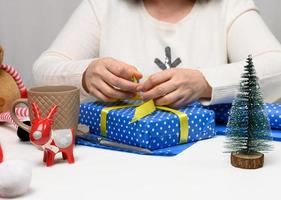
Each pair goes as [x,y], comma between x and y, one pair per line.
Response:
[176,87]
[110,80]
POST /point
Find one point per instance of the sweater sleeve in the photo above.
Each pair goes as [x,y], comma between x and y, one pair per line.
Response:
[72,51]
[247,34]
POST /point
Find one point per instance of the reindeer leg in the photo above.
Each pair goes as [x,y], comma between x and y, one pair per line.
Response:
[64,155]
[50,158]
[45,156]
[69,155]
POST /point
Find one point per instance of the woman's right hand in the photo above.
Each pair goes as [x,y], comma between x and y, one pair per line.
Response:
[110,80]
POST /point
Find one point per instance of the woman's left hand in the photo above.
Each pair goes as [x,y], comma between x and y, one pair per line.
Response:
[176,87]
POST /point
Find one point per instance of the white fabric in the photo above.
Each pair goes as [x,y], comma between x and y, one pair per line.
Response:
[15,178]
[215,37]
[201,172]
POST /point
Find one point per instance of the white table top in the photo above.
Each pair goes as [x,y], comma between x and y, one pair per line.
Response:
[201,172]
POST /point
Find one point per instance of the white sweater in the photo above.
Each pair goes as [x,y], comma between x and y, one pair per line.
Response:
[215,37]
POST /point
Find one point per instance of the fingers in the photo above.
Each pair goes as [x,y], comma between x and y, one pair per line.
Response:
[178,104]
[156,79]
[122,70]
[120,83]
[176,99]
[160,90]
[183,102]
[100,76]
[100,96]
[111,92]
[168,99]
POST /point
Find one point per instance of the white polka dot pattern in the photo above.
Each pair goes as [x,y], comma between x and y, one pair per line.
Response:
[156,131]
[273,110]
[274,115]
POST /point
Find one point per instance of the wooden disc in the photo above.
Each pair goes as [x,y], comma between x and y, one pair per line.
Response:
[247,161]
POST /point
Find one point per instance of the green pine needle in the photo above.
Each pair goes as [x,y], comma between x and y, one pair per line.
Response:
[248,128]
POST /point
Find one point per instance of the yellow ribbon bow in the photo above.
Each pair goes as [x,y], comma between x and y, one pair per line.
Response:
[144,110]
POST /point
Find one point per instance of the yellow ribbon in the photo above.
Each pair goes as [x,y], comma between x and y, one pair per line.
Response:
[142,111]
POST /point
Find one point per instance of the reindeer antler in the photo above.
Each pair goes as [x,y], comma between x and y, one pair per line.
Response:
[52,112]
[36,110]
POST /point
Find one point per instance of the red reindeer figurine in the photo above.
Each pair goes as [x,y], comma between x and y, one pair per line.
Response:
[1,154]
[51,141]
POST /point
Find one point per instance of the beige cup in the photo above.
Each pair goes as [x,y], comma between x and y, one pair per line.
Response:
[65,97]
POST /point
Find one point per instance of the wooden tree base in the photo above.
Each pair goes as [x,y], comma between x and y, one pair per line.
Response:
[247,161]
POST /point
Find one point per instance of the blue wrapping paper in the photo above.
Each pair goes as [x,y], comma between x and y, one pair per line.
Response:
[274,115]
[156,131]
[169,151]
[273,109]
[221,112]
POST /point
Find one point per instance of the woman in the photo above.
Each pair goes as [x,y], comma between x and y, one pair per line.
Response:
[184,50]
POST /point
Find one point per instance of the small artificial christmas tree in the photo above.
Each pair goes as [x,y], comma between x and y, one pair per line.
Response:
[248,130]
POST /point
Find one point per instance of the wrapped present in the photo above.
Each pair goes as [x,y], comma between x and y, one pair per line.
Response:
[221,112]
[273,109]
[274,115]
[161,128]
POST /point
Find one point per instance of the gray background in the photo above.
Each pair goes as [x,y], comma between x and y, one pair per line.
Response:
[27,27]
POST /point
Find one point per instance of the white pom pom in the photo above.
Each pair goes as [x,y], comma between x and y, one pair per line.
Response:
[15,178]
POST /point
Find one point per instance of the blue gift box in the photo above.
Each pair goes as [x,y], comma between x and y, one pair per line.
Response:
[221,112]
[156,131]
[273,110]
[274,115]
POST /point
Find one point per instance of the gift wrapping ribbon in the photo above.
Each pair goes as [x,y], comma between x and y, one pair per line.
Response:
[142,111]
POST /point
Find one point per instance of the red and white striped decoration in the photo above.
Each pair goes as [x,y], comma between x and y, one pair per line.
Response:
[1,154]
[22,113]
[16,77]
